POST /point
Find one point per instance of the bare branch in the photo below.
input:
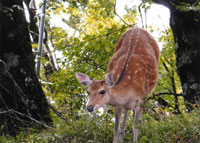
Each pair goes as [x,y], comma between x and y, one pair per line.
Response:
[94,38]
[160,100]
[115,12]
[173,85]
[196,3]
[59,114]
[19,113]
[19,90]
[139,9]
[162,93]
[48,51]
[167,3]
[166,93]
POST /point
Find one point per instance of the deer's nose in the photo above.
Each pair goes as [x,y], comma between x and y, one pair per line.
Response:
[90,108]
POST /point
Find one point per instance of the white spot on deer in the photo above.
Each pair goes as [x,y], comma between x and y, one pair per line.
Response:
[129,77]
[129,41]
[133,81]
[140,69]
[118,76]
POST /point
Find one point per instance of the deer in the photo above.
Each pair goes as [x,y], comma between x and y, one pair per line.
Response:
[132,76]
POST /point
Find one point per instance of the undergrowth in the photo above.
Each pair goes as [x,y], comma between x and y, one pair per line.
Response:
[183,128]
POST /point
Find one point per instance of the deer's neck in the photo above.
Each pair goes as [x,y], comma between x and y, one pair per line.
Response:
[117,99]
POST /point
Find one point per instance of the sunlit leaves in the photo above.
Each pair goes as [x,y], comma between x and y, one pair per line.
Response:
[131,15]
[58,37]
[89,45]
[168,56]
[86,48]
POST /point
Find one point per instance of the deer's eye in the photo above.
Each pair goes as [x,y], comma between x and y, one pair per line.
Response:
[102,92]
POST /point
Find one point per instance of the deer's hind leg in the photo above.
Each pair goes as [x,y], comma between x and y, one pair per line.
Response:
[138,114]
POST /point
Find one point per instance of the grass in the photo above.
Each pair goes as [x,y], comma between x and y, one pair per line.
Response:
[183,128]
[177,129]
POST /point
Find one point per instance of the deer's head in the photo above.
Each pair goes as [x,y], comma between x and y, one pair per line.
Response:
[98,90]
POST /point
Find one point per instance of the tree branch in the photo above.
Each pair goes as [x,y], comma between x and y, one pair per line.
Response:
[94,38]
[140,13]
[171,4]
[161,101]
[167,3]
[18,89]
[196,3]
[173,86]
[115,12]
[21,114]
[59,114]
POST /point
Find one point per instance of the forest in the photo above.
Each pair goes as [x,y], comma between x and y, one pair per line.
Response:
[47,104]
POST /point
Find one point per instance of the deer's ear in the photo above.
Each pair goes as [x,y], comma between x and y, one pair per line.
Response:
[109,79]
[84,79]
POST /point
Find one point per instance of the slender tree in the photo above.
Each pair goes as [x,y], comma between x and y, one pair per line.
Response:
[185,24]
[22,100]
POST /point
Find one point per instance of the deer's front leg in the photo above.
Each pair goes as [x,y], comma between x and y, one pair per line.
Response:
[122,132]
[118,112]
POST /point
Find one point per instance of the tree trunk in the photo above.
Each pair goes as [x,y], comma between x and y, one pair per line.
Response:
[185,25]
[22,100]
[186,30]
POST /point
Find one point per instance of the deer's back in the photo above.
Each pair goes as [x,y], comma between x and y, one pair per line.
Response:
[135,61]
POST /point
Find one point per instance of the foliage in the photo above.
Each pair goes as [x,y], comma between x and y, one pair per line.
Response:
[176,129]
[188,7]
[87,48]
